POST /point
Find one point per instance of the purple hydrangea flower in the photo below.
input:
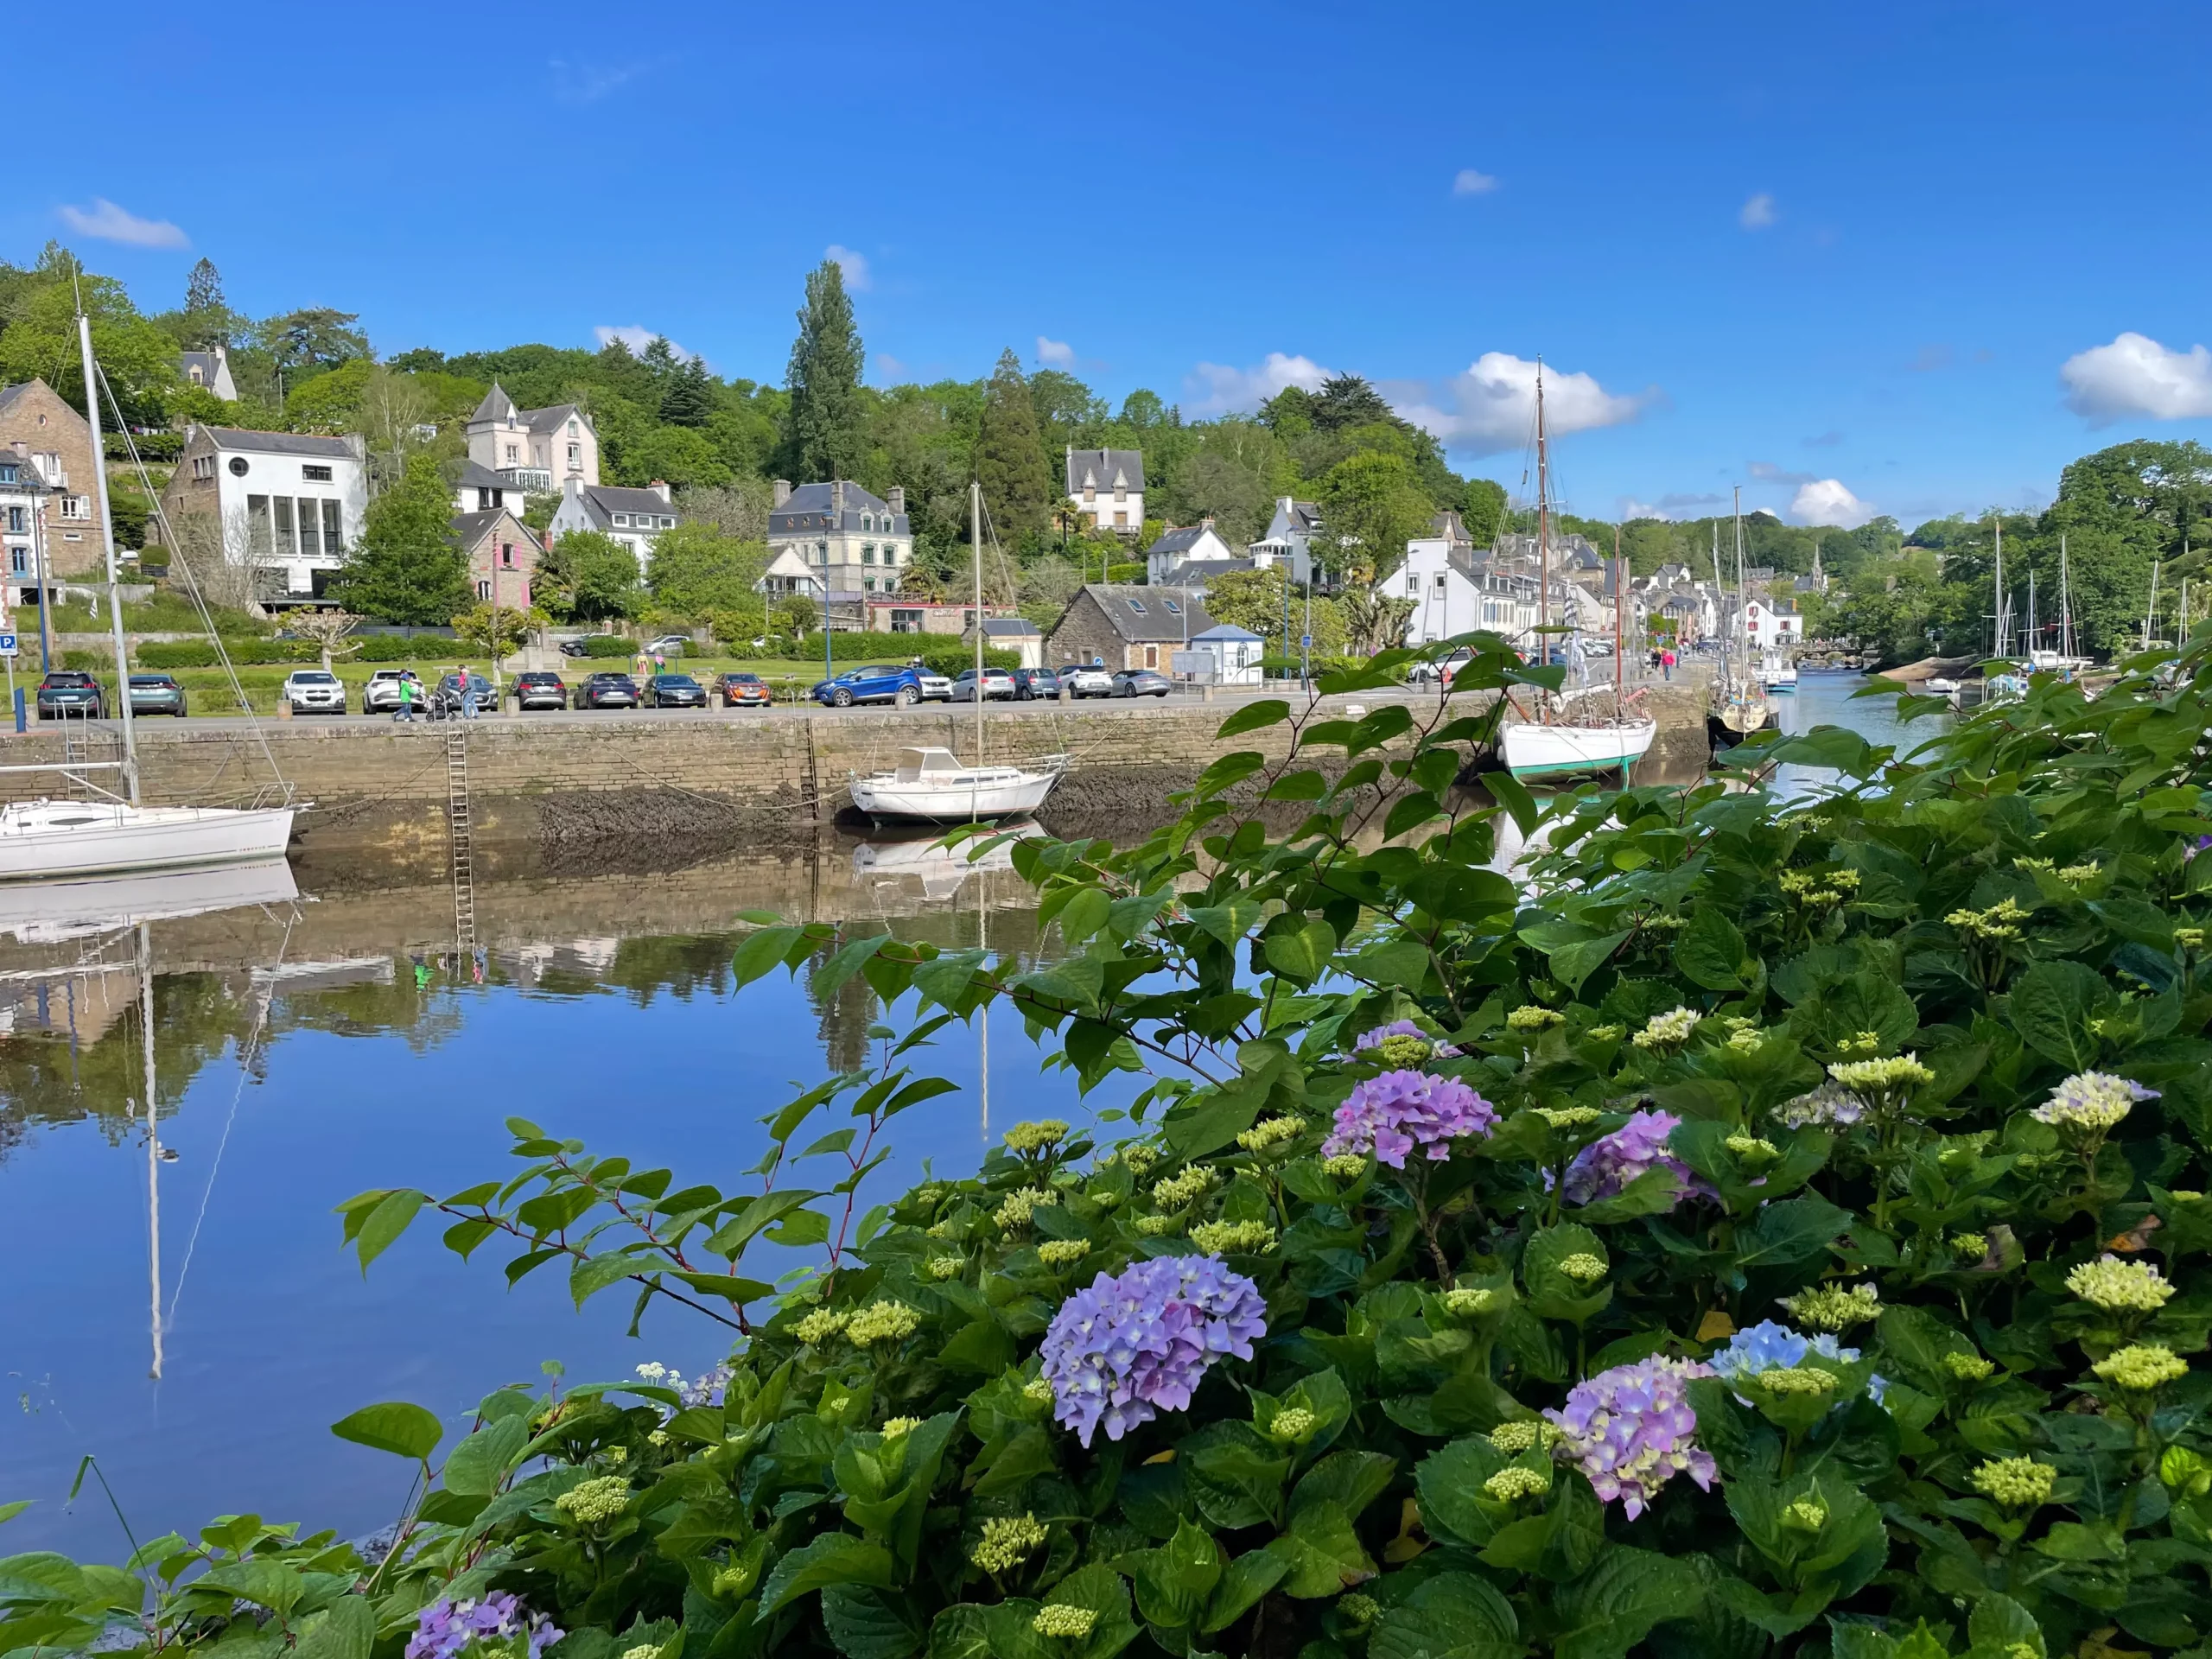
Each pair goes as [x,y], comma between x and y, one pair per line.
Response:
[1606,1165]
[1392,1113]
[446,1628]
[1368,1040]
[2194,847]
[1769,1345]
[1127,1347]
[1630,1430]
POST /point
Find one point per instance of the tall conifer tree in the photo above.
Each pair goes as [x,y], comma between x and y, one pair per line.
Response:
[823,439]
[1010,455]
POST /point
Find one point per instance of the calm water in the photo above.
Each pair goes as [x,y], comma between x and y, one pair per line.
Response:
[310,1047]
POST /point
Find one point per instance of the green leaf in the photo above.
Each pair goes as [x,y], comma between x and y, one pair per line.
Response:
[1100,1589]
[347,1629]
[2052,1003]
[1513,795]
[1791,1233]
[1083,915]
[833,1558]
[592,1273]
[758,952]
[479,1463]
[1268,711]
[1302,955]
[385,1224]
[1448,1484]
[10,1511]
[1611,1609]
[984,1347]
[1573,963]
[1452,1615]
[1251,1576]
[1351,1480]
[866,1622]
[1710,951]
[403,1430]
[1234,1476]
[1324,1553]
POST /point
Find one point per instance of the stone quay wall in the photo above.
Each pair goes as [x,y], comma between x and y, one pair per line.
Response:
[550,780]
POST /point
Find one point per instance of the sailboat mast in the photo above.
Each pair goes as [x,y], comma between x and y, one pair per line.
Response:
[2065,607]
[976,535]
[1999,580]
[153,1139]
[2150,616]
[1543,529]
[1620,599]
[107,539]
[1742,619]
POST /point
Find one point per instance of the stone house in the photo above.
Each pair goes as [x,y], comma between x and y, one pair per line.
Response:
[1108,485]
[836,542]
[54,437]
[535,450]
[1122,625]
[501,552]
[287,503]
[633,517]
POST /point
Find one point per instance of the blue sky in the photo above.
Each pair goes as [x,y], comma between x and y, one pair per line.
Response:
[1898,257]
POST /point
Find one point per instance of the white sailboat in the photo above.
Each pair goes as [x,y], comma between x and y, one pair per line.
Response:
[45,839]
[933,784]
[1740,704]
[1574,735]
[1778,673]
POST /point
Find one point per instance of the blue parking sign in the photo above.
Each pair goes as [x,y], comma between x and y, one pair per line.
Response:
[7,644]
[1306,642]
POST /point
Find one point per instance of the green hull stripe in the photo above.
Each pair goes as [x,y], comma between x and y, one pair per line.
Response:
[1553,768]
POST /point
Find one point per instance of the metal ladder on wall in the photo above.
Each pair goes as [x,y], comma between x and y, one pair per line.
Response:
[457,827]
[76,749]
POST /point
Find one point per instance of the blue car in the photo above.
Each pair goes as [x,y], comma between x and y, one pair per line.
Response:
[878,682]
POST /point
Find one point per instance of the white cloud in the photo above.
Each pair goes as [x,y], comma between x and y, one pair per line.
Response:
[587,83]
[636,336]
[1494,405]
[1217,389]
[2135,375]
[1826,501]
[1057,352]
[854,265]
[1629,507]
[1758,214]
[108,223]
[889,366]
[1471,182]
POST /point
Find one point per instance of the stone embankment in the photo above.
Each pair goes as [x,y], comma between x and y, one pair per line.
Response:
[731,776]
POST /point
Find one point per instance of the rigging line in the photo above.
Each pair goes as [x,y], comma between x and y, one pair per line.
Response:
[191,580]
[245,1069]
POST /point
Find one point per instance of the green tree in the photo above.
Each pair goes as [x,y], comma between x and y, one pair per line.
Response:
[407,566]
[1256,600]
[207,318]
[138,359]
[1373,505]
[1010,456]
[824,434]
[689,399]
[695,570]
[1347,400]
[1482,508]
[498,631]
[312,341]
[589,577]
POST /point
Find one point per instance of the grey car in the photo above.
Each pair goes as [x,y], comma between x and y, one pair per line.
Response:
[157,694]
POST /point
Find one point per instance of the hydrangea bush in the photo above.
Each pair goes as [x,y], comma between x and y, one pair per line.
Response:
[1763,1226]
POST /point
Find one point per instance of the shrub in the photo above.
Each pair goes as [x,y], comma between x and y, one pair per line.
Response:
[610,644]
[176,653]
[1779,1226]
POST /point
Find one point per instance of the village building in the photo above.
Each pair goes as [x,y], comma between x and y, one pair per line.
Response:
[837,544]
[1114,625]
[1177,550]
[1108,485]
[534,450]
[213,370]
[39,427]
[501,554]
[286,504]
[1289,540]
[631,516]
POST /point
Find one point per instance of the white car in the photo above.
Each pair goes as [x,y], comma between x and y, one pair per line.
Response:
[315,691]
[997,684]
[381,694]
[935,687]
[1087,682]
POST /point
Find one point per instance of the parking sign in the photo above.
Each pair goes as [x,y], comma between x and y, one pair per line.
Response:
[1306,642]
[7,644]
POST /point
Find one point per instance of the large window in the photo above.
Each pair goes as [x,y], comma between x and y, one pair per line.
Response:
[310,528]
[19,560]
[287,542]
[76,508]
[334,529]
[18,521]
[257,533]
[314,474]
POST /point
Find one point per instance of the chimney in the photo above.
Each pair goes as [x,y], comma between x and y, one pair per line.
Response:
[781,493]
[659,487]
[897,500]
[837,502]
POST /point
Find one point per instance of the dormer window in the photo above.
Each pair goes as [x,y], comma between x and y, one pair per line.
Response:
[1135,605]
[1174,609]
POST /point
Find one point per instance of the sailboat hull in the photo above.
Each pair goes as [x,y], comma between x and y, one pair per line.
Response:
[1530,750]
[42,841]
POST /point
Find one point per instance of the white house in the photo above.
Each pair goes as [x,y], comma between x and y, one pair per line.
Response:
[836,542]
[286,502]
[1108,485]
[213,370]
[633,517]
[1232,654]
[1201,543]
[536,450]
[1289,538]
[1767,625]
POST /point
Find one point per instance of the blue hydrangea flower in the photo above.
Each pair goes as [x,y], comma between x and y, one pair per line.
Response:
[446,1628]
[1127,1347]
[1770,1345]
[1368,1040]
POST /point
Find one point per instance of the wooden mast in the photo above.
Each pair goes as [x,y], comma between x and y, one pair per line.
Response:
[1543,541]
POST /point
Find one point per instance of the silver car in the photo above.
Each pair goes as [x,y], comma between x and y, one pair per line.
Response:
[381,694]
[997,684]
[935,687]
[315,691]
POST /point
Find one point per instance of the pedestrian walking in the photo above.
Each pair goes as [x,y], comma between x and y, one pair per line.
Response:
[467,697]
[1667,663]
[660,663]
[406,701]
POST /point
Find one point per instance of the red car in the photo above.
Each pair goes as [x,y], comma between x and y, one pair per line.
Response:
[744,690]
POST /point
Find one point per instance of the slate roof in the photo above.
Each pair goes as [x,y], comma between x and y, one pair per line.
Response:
[1196,573]
[208,363]
[809,510]
[497,407]
[1010,628]
[1096,469]
[607,500]
[473,527]
[1139,614]
[1182,541]
[1229,631]
[477,476]
[281,443]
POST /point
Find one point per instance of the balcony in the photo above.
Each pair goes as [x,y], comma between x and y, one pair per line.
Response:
[532,479]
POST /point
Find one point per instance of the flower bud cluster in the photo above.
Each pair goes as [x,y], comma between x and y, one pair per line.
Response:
[1061,1620]
[1968,1368]
[2142,1367]
[2000,921]
[1178,1190]
[1035,1137]
[1020,1204]
[1670,1030]
[2119,1287]
[1009,1541]
[1831,1307]
[882,1321]
[2017,1482]
[1507,1484]
[1874,1076]
[942,1267]
[1062,1252]
[1583,1268]
[1234,1238]
[1532,1016]
[1274,1132]
[594,1500]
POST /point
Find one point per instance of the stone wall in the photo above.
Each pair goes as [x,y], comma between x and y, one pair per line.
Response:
[737,776]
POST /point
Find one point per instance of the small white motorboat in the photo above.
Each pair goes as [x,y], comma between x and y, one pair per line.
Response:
[933,786]
[42,840]
[1530,749]
[1778,674]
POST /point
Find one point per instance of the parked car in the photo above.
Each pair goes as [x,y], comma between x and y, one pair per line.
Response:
[1031,683]
[997,684]
[935,687]
[1087,682]
[878,683]
[668,644]
[70,694]
[744,691]
[449,699]
[157,694]
[607,691]
[1425,673]
[541,690]
[1141,683]
[381,694]
[315,691]
[581,647]
[675,692]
